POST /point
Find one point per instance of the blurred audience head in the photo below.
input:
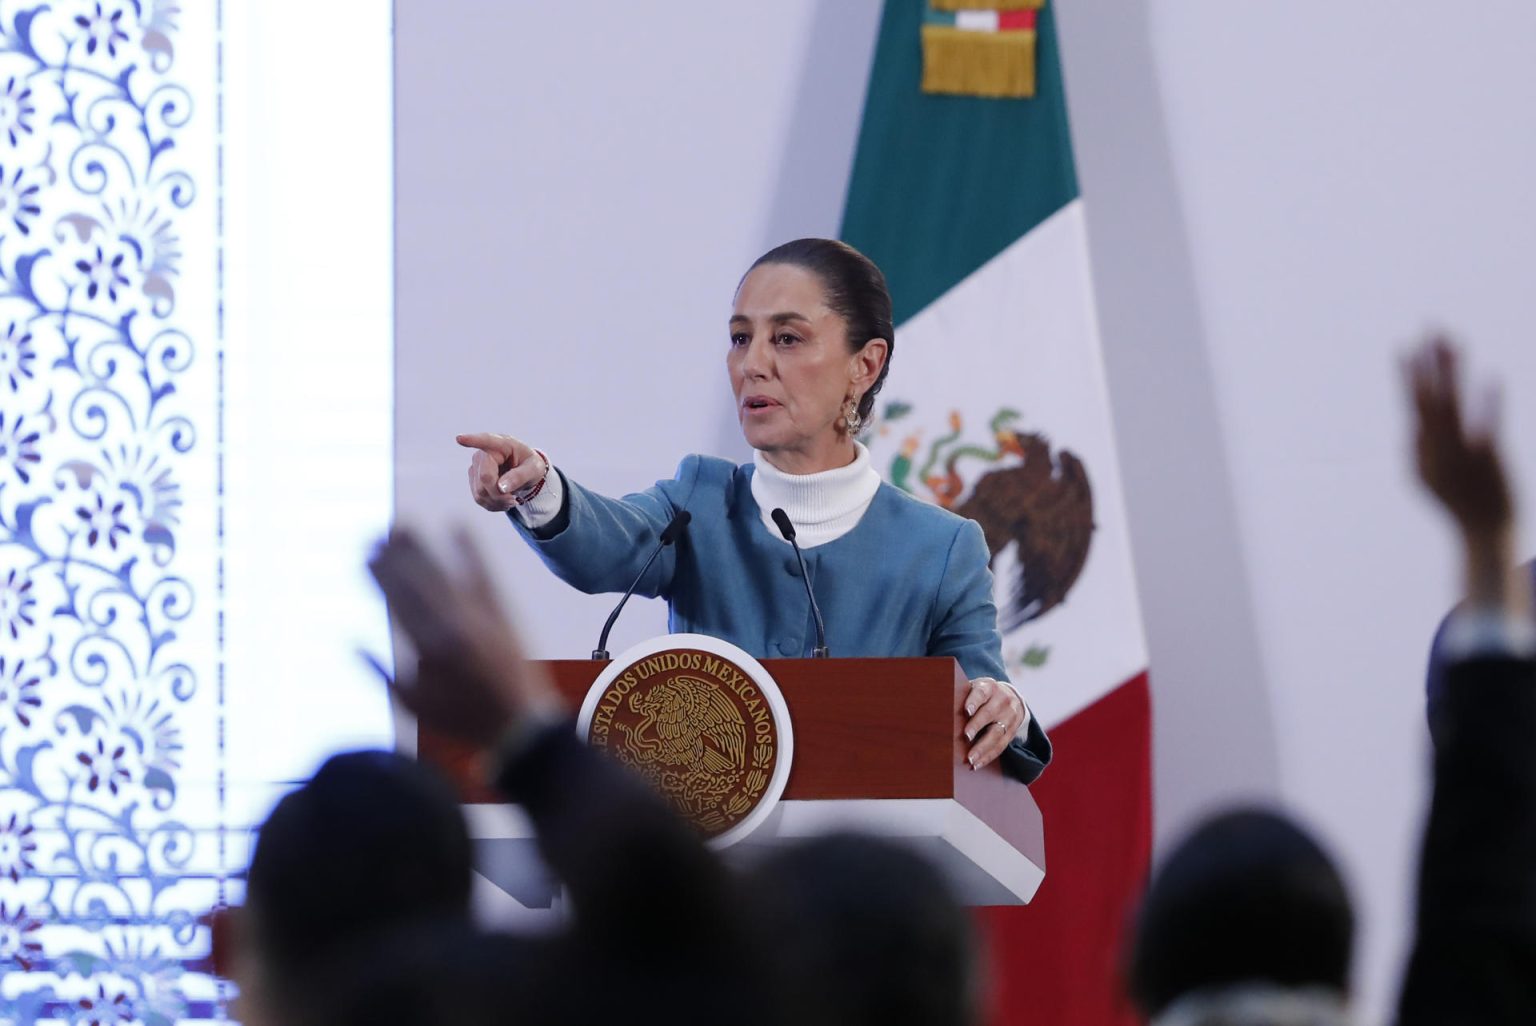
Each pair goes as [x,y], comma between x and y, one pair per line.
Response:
[864,930]
[373,842]
[450,973]
[1247,900]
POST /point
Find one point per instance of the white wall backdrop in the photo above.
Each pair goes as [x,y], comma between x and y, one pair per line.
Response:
[1276,205]
[308,474]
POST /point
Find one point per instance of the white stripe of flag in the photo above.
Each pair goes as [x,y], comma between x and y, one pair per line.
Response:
[977,21]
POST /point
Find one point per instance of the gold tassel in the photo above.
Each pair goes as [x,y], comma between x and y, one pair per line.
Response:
[986,5]
[992,64]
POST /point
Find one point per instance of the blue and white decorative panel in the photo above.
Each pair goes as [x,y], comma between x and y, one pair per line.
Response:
[110,675]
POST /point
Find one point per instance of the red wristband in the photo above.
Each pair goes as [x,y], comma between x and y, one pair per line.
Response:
[525,496]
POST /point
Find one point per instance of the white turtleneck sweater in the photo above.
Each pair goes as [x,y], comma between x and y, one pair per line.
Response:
[823,506]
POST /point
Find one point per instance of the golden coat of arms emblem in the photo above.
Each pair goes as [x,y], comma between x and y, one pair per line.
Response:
[703,722]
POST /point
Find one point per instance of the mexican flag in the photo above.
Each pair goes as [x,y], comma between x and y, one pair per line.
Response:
[965,193]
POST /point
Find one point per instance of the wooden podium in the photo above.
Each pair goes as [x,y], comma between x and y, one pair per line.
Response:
[878,749]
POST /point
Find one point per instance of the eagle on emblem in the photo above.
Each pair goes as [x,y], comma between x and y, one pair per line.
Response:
[1035,509]
[687,722]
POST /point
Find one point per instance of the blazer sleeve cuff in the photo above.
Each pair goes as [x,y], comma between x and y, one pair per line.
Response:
[1026,757]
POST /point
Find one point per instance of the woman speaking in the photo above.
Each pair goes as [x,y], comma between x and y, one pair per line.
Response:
[811,341]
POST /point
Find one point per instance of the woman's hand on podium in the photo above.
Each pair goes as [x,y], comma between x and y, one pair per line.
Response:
[502,471]
[473,681]
[996,713]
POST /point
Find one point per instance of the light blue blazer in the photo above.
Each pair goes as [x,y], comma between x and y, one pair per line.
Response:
[910,579]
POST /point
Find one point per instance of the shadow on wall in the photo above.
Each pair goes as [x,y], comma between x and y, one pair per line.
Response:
[819,143]
[1214,737]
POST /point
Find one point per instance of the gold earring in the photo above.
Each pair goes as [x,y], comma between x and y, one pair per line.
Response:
[851,417]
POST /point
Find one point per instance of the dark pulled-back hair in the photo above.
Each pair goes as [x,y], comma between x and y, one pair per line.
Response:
[1248,897]
[855,291]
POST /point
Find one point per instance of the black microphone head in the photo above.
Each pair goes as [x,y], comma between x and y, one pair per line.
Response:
[785,527]
[678,525]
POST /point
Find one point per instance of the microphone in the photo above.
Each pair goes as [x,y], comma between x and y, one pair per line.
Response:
[669,534]
[781,520]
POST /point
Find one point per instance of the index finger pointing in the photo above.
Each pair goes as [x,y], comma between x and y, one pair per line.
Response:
[498,445]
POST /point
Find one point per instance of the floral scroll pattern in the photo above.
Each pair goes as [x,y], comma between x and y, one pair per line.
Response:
[104,865]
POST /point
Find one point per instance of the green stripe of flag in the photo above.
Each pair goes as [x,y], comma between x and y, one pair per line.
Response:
[941,184]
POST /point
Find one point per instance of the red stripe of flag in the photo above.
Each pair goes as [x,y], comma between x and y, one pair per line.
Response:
[1014,21]
[1057,960]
